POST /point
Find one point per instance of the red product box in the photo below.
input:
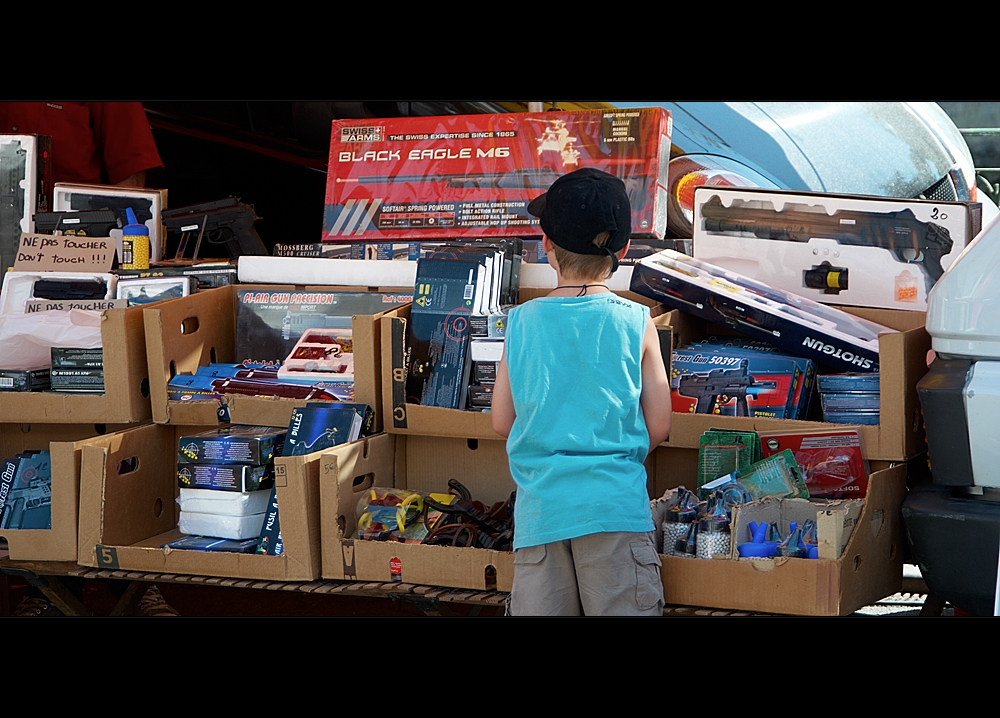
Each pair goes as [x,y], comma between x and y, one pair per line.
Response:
[832,462]
[469,176]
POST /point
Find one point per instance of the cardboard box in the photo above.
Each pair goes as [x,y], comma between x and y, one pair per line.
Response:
[419,463]
[183,334]
[471,176]
[870,567]
[64,443]
[404,418]
[835,249]
[128,510]
[126,378]
[902,358]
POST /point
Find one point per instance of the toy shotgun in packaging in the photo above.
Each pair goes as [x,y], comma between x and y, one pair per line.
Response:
[910,240]
[226,221]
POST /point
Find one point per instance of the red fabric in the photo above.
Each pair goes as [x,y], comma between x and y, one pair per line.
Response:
[87,137]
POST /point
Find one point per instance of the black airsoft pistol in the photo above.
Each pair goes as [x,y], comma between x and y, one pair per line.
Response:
[226,222]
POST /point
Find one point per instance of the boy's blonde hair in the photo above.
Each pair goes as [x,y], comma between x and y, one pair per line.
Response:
[585,266]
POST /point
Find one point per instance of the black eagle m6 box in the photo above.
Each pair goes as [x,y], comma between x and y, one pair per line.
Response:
[470,176]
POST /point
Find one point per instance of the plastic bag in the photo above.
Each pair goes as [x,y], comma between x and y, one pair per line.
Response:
[26,340]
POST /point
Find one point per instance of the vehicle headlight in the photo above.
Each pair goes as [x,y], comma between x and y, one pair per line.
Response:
[690,171]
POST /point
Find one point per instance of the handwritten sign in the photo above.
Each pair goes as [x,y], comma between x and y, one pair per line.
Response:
[64,305]
[67,253]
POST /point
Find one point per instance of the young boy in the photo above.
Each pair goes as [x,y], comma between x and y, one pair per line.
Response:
[583,397]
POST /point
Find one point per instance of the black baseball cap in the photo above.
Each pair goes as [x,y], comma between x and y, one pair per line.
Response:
[581,205]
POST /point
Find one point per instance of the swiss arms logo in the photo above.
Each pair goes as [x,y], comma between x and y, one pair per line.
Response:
[362,134]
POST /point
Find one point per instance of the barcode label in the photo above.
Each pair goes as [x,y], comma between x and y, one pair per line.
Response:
[470,289]
[6,381]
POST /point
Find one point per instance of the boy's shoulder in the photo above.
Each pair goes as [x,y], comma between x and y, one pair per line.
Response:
[570,311]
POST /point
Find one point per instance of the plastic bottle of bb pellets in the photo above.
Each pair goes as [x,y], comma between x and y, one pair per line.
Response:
[135,243]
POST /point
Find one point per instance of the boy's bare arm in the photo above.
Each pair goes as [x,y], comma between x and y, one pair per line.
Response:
[657,408]
[503,412]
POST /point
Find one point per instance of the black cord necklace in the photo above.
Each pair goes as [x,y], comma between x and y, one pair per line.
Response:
[581,287]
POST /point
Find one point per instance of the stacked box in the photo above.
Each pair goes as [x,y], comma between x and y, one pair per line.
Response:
[123,524]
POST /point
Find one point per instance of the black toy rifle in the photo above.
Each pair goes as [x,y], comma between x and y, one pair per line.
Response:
[910,240]
[225,221]
[707,388]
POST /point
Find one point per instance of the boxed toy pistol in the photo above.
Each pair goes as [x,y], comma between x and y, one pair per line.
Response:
[393,179]
[147,204]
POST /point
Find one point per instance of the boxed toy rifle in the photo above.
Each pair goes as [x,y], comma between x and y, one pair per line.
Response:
[858,251]
[219,379]
[25,182]
[473,176]
[77,358]
[798,325]
[502,257]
